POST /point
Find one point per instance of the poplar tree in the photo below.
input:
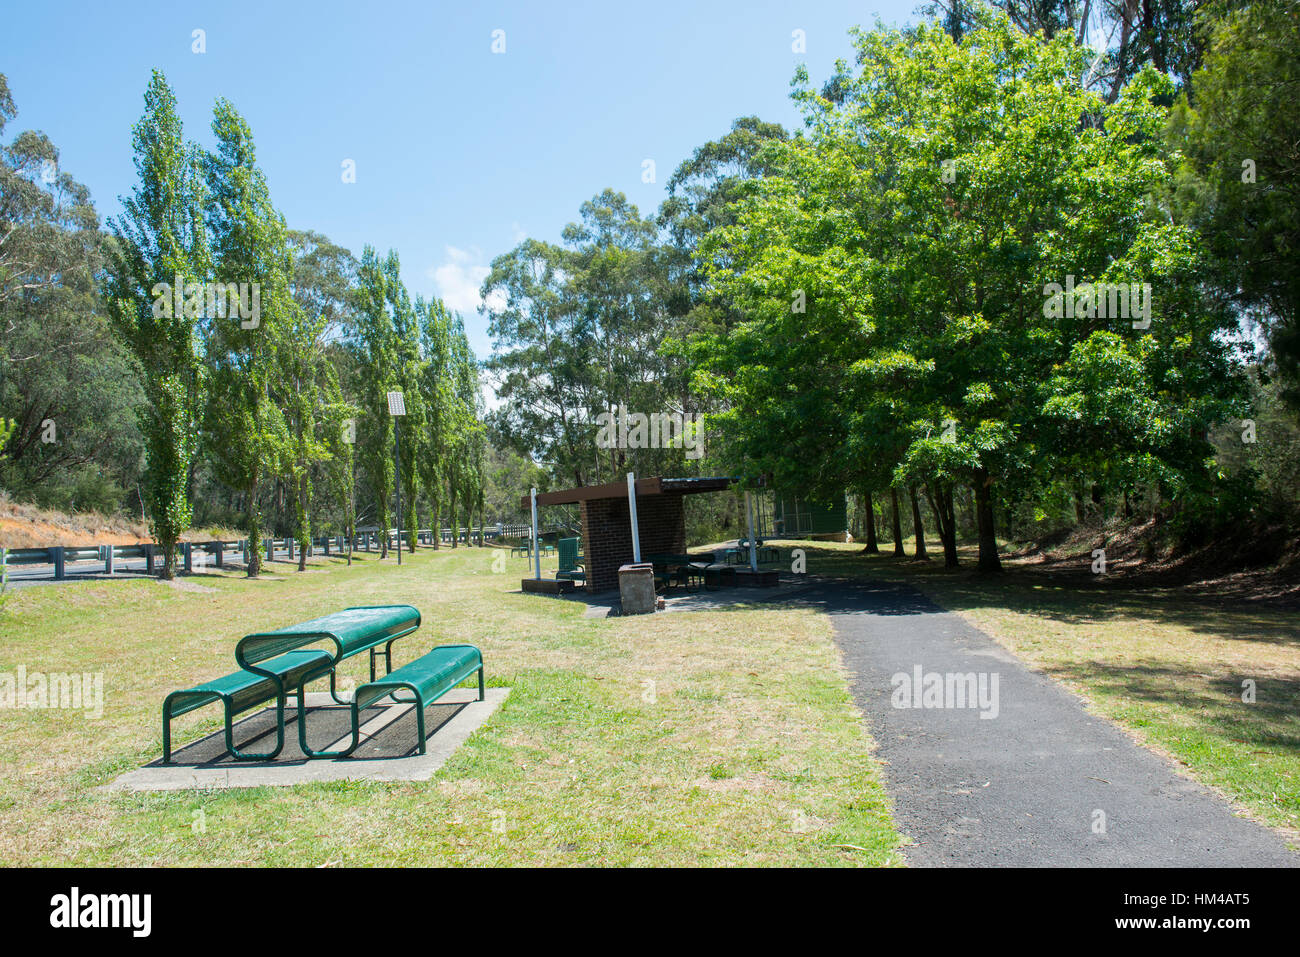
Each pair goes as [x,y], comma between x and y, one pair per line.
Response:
[245,425]
[438,401]
[376,363]
[161,250]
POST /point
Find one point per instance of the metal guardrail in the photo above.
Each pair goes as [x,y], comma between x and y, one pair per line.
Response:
[201,554]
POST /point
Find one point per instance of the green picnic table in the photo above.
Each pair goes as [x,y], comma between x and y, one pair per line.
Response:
[275,664]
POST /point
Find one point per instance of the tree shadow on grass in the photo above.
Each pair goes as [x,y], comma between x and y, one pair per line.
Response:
[1272,720]
[1071,598]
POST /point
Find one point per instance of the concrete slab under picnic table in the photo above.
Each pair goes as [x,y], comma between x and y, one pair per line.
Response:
[388,750]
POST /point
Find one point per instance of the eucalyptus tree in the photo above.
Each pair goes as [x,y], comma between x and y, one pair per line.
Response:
[543,358]
[1239,182]
[62,363]
[582,328]
[702,193]
[316,414]
[614,272]
[1121,36]
[302,389]
[160,257]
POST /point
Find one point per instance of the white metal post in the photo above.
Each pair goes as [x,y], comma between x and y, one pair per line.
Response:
[631,509]
[397,453]
[537,549]
[753,549]
[396,409]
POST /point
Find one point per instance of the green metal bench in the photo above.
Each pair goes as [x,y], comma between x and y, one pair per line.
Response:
[426,679]
[277,663]
[242,690]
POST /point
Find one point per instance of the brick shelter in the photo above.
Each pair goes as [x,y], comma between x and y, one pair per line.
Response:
[607,522]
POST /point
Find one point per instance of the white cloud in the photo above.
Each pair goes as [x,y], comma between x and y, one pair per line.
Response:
[459,277]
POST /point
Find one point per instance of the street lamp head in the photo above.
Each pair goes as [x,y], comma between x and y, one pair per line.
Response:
[396,403]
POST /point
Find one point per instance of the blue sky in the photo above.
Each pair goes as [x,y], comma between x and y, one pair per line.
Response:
[459,152]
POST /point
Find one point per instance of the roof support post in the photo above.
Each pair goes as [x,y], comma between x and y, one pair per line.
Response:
[631,510]
[537,545]
[753,549]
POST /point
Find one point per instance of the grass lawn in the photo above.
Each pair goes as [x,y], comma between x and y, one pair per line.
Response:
[1166,666]
[713,738]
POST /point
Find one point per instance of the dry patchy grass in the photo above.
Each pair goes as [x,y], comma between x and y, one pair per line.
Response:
[702,738]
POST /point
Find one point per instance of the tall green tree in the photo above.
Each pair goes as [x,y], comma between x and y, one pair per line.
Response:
[162,248]
[61,362]
[896,279]
[438,400]
[543,359]
[321,422]
[377,359]
[465,439]
[408,363]
[580,329]
[247,438]
[1239,182]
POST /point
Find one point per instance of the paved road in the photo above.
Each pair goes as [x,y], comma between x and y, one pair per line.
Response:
[27,575]
[1025,787]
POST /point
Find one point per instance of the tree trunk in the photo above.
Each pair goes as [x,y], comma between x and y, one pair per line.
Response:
[350,516]
[897,523]
[303,501]
[941,505]
[455,527]
[950,543]
[988,542]
[873,548]
[412,523]
[169,559]
[918,528]
[1099,500]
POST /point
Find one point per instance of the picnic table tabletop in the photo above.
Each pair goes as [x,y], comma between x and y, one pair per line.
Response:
[352,630]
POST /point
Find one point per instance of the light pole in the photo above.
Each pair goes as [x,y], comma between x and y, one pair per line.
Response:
[397,409]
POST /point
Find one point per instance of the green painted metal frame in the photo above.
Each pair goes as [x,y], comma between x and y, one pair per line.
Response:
[209,698]
[236,700]
[377,690]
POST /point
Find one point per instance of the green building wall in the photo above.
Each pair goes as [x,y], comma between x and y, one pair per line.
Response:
[796,517]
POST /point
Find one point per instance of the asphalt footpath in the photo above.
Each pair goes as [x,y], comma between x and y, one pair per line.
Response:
[989,763]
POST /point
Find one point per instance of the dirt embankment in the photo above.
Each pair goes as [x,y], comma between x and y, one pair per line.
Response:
[26,526]
[1258,563]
